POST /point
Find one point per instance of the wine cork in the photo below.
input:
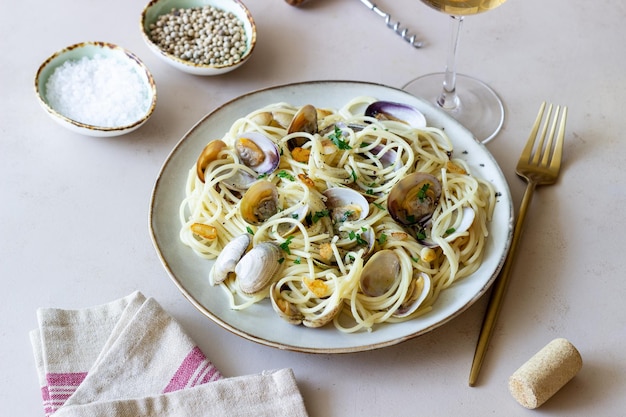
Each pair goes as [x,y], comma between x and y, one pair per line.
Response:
[545,373]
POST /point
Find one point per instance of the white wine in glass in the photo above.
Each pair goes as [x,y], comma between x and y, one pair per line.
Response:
[473,103]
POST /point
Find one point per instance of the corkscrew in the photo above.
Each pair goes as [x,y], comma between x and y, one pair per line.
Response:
[394,25]
[391,24]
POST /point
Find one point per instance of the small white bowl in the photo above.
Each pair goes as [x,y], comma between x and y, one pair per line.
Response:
[156,8]
[91,50]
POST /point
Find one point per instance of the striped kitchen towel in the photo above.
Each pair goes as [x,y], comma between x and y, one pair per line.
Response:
[129,358]
[124,349]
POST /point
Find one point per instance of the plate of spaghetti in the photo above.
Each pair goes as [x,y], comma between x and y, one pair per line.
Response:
[330,216]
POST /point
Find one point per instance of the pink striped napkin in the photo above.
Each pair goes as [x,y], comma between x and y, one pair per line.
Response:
[131,352]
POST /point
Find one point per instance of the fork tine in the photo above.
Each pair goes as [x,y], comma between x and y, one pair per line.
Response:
[547,152]
[530,143]
[558,149]
[539,149]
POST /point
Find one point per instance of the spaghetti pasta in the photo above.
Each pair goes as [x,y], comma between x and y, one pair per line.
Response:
[326,246]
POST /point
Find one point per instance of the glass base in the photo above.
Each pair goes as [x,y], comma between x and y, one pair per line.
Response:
[479,108]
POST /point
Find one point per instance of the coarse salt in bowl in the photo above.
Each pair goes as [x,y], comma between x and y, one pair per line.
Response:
[196,43]
[96,89]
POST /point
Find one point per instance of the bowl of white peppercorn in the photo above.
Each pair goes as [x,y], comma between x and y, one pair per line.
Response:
[200,37]
[96,89]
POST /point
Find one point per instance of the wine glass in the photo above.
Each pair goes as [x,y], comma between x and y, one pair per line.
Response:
[470,101]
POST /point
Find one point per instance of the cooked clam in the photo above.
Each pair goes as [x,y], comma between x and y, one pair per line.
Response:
[346,204]
[258,152]
[414,198]
[329,312]
[305,120]
[239,180]
[380,273]
[208,154]
[387,110]
[228,258]
[259,203]
[257,267]
[467,218]
[284,308]
[416,294]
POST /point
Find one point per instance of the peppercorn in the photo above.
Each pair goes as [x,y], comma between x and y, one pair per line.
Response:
[201,35]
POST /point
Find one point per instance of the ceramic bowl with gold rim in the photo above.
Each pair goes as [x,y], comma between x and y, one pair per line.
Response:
[200,37]
[96,89]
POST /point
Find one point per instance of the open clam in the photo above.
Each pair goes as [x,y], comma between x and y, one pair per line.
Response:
[346,204]
[387,110]
[285,310]
[305,120]
[256,268]
[467,218]
[208,154]
[259,203]
[414,198]
[258,152]
[331,307]
[380,273]
[228,258]
[418,291]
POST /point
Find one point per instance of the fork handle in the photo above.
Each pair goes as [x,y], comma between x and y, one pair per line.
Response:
[500,286]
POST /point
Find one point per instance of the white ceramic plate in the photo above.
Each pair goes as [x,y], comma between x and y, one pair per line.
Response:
[259,323]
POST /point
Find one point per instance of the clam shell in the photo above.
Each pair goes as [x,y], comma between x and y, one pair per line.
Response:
[259,203]
[208,154]
[258,152]
[414,198]
[346,204]
[228,258]
[419,290]
[468,214]
[387,110]
[257,267]
[305,120]
[285,310]
[380,273]
[327,315]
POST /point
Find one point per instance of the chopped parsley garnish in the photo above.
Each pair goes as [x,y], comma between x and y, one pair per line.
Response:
[297,261]
[317,216]
[382,238]
[450,231]
[346,215]
[286,175]
[249,230]
[353,174]
[421,234]
[355,236]
[369,191]
[261,176]
[337,138]
[379,206]
[285,245]
[421,194]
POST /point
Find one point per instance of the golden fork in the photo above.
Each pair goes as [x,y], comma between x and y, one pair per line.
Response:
[538,165]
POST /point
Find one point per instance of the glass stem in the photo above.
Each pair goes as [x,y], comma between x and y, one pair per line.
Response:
[448,98]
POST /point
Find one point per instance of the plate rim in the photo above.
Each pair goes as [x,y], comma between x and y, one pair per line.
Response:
[321,350]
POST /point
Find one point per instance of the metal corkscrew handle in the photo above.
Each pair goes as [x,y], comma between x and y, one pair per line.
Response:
[394,25]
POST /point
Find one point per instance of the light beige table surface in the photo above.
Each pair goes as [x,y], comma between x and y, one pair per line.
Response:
[74,226]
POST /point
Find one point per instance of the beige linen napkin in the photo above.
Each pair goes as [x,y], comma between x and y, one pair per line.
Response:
[130,358]
[271,394]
